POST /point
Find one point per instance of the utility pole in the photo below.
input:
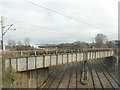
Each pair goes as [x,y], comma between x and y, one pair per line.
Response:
[2,27]
[4,32]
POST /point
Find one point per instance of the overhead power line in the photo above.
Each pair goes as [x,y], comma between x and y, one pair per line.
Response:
[25,23]
[43,31]
[34,26]
[62,14]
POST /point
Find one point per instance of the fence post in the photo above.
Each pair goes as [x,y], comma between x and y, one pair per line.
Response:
[76,56]
[67,58]
[35,62]
[91,54]
[85,70]
[95,54]
[62,58]
[26,63]
[56,59]
[44,61]
[21,54]
[16,64]
[50,60]
[35,53]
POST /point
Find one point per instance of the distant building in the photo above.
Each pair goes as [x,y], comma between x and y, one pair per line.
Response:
[114,43]
[47,47]
[91,45]
[34,46]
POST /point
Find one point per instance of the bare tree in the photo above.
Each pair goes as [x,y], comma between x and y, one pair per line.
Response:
[27,41]
[111,44]
[11,43]
[100,40]
[84,45]
[79,44]
[19,43]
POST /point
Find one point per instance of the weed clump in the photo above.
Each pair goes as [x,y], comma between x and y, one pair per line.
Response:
[7,78]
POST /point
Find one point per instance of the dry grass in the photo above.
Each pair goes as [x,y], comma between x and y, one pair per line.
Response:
[7,78]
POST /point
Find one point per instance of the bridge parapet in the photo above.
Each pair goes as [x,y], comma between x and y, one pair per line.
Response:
[46,60]
[13,54]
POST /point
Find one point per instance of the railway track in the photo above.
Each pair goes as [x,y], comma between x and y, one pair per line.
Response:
[69,77]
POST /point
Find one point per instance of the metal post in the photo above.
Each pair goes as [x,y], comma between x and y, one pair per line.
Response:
[90,54]
[67,58]
[3,33]
[95,54]
[35,62]
[62,58]
[107,53]
[50,60]
[85,70]
[100,54]
[83,56]
[44,61]
[27,63]
[2,27]
[21,54]
[16,64]
[56,59]
[1,67]
[86,55]
[76,57]
[35,53]
[10,64]
[84,79]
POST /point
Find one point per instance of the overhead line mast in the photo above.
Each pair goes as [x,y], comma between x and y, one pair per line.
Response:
[2,28]
[4,32]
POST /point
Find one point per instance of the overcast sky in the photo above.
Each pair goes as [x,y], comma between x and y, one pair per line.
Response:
[43,26]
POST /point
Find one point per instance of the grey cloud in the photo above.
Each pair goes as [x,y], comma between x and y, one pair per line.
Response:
[102,14]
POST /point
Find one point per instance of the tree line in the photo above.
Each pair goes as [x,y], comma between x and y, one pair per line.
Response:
[100,41]
[19,45]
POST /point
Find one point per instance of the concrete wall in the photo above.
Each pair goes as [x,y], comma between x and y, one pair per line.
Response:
[33,71]
[29,79]
[112,63]
[36,62]
[0,70]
